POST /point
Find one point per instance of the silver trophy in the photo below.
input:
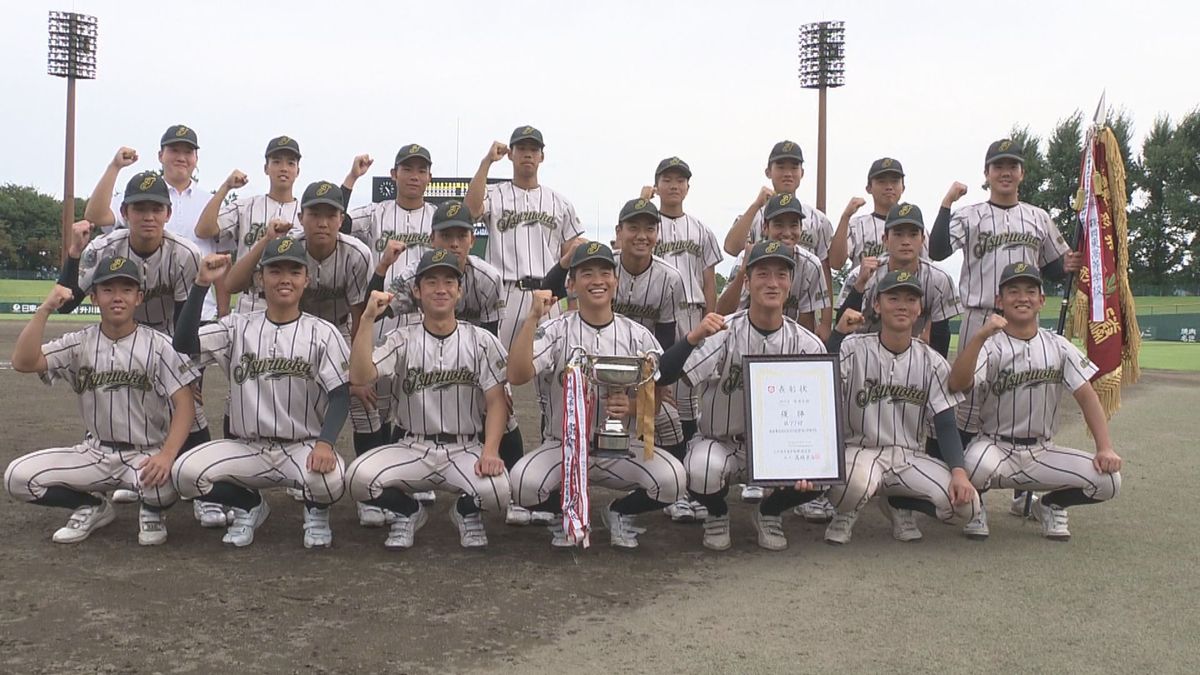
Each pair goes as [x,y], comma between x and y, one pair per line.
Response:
[610,437]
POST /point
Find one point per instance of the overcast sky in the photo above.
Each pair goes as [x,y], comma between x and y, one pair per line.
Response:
[614,86]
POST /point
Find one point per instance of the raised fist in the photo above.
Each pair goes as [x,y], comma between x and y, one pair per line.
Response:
[124,157]
[866,270]
[855,204]
[648,192]
[236,180]
[391,253]
[497,152]
[764,196]
[850,322]
[360,166]
[278,227]
[956,191]
[59,295]
[212,268]
[81,233]
[376,303]
[541,303]
[710,325]
[573,244]
[994,324]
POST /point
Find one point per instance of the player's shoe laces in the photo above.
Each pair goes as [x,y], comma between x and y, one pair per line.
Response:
[752,494]
[904,522]
[404,528]
[818,510]
[83,521]
[152,527]
[470,528]
[977,529]
[241,531]
[1017,508]
[840,528]
[370,516]
[125,496]
[770,531]
[681,512]
[210,514]
[716,533]
[1053,520]
[517,515]
[427,497]
[317,533]
[622,529]
[558,535]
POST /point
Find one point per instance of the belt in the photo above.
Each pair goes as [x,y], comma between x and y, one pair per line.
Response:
[445,439]
[1017,440]
[528,283]
[118,447]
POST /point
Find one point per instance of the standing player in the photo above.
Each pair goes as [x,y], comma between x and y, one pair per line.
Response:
[289,358]
[450,378]
[542,352]
[528,224]
[710,359]
[895,386]
[135,401]
[1019,372]
[863,235]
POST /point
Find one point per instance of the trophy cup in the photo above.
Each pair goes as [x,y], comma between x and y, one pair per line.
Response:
[606,373]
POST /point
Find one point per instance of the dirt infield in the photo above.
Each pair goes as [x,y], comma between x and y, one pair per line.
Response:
[1120,596]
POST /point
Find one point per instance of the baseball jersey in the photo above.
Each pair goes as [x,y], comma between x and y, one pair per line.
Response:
[338,282]
[808,292]
[552,346]
[167,274]
[691,248]
[124,385]
[651,297]
[864,238]
[377,224]
[280,375]
[714,369]
[1018,383]
[482,299]
[526,229]
[891,399]
[992,237]
[939,299]
[816,232]
[439,382]
[242,223]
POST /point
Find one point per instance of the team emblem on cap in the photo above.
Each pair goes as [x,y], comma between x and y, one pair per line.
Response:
[148,182]
[323,189]
[641,204]
[785,200]
[285,245]
[1005,145]
[283,140]
[453,210]
[527,130]
[772,247]
[593,247]
[1021,267]
[906,209]
[903,276]
[439,255]
[414,149]
[674,161]
[887,162]
[181,131]
[116,264]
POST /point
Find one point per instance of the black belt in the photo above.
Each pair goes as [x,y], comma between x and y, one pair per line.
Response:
[119,447]
[442,438]
[529,283]
[1016,440]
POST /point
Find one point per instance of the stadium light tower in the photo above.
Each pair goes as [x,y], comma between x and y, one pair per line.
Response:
[72,56]
[822,67]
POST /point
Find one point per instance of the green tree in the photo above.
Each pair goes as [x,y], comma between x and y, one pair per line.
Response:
[1063,153]
[1158,227]
[31,228]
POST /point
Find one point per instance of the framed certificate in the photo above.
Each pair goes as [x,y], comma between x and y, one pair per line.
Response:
[794,419]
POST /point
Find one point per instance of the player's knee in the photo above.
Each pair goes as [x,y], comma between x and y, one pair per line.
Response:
[1107,486]
[161,496]
[327,488]
[670,479]
[17,482]
[494,493]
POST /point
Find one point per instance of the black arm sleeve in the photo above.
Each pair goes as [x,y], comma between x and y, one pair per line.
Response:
[346,219]
[375,284]
[68,276]
[665,333]
[834,344]
[492,327]
[336,413]
[948,439]
[1054,270]
[939,337]
[187,326]
[555,281]
[939,238]
[670,366]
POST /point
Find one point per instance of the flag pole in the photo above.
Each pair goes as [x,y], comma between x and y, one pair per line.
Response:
[1097,122]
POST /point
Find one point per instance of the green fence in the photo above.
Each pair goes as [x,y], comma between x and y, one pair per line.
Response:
[1160,327]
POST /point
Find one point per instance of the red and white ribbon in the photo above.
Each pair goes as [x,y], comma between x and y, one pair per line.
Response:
[576,433]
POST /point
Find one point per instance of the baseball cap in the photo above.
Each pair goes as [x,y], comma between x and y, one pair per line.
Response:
[639,207]
[768,249]
[1004,148]
[593,250]
[1020,270]
[283,249]
[116,267]
[673,164]
[411,150]
[322,192]
[438,257]
[146,186]
[451,214]
[179,133]
[282,144]
[904,214]
[782,203]
[526,133]
[898,279]
[885,165]
[786,150]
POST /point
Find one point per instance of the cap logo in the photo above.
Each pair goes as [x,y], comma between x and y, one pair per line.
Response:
[116,264]
[1020,267]
[414,149]
[641,204]
[788,145]
[181,131]
[453,210]
[887,162]
[1005,145]
[527,130]
[322,189]
[284,245]
[903,276]
[785,200]
[674,161]
[771,247]
[593,247]
[906,209]
[439,255]
[283,140]
[148,182]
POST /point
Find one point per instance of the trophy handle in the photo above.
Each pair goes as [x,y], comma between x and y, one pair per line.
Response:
[652,358]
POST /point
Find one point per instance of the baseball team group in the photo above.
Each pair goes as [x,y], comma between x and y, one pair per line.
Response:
[381,314]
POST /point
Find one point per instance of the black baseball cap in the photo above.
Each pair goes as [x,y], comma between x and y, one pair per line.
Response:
[885,165]
[179,133]
[673,164]
[782,203]
[639,207]
[1004,148]
[283,249]
[146,186]
[438,257]
[593,250]
[322,192]
[904,214]
[413,150]
[786,150]
[769,249]
[526,133]
[1020,270]
[898,279]
[282,144]
[116,267]
[452,214]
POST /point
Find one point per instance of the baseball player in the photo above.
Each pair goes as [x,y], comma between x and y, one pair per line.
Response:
[542,352]
[449,376]
[862,235]
[290,396]
[710,359]
[1019,371]
[136,403]
[894,386]
[528,224]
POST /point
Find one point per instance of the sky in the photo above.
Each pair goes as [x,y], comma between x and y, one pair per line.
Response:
[614,86]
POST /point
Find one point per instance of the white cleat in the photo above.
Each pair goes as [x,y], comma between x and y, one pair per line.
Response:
[716,533]
[427,497]
[1017,507]
[558,534]
[977,529]
[404,528]
[699,509]
[818,510]
[840,528]
[904,522]
[770,531]
[752,494]
[152,527]
[83,521]
[681,512]
[241,531]
[1053,520]
[543,517]
[317,533]
[371,516]
[125,496]
[517,516]
[211,514]
[622,529]
[470,528]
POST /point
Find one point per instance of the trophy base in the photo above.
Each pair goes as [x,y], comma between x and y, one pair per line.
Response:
[611,446]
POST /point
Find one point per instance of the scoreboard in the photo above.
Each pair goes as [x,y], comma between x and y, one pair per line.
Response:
[439,190]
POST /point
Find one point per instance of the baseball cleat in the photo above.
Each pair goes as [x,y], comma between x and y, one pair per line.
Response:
[752,494]
[622,529]
[681,512]
[517,515]
[426,497]
[152,527]
[317,533]
[977,529]
[1017,507]
[370,516]
[840,528]
[211,514]
[296,494]
[404,529]
[470,528]
[716,533]
[770,531]
[558,535]
[241,531]
[699,509]
[1053,520]
[125,496]
[83,521]
[904,522]
[543,517]
[818,510]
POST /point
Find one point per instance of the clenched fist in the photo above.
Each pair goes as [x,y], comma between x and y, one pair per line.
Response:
[710,325]
[541,303]
[764,196]
[994,324]
[124,157]
[391,253]
[81,233]
[866,270]
[59,295]
[497,152]
[236,180]
[850,322]
[956,191]
[376,304]
[855,204]
[212,268]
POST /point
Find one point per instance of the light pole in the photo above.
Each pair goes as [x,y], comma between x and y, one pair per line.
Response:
[73,56]
[822,66]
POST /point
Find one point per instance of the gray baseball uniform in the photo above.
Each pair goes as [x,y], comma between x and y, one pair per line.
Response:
[816,231]
[241,223]
[808,292]
[864,238]
[939,299]
[377,224]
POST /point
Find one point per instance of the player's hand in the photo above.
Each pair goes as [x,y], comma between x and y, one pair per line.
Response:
[569,252]
[855,204]
[391,253]
[212,268]
[81,234]
[961,490]
[496,153]
[1107,461]
[366,394]
[156,470]
[1072,262]
[376,303]
[59,295]
[124,157]
[540,304]
[804,486]
[994,324]
[648,192]
[866,270]
[489,464]
[664,396]
[851,321]
[360,166]
[956,191]
[764,196]
[277,228]
[322,458]
[236,180]
[710,325]
[616,404]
